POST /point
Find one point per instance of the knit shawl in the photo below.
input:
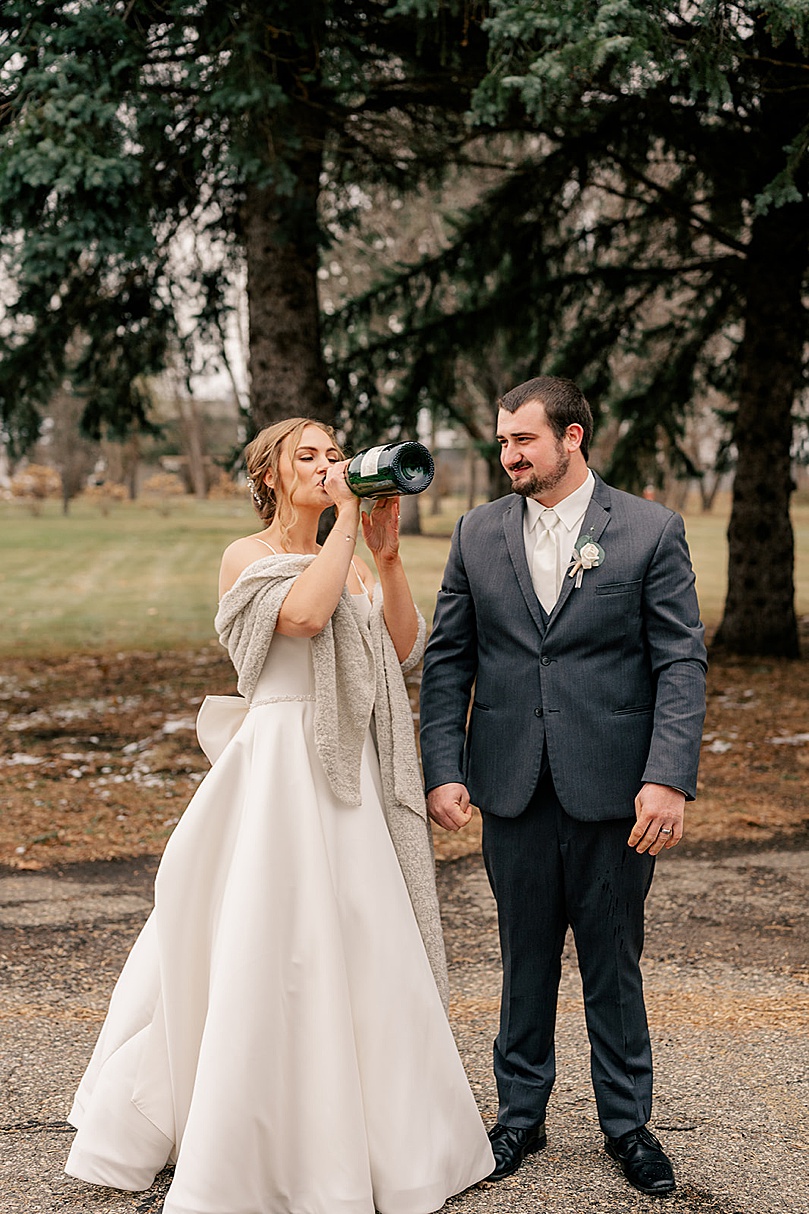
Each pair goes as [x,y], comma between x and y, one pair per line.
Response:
[356,674]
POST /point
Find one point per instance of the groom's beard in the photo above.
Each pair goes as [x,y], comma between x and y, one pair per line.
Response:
[535,485]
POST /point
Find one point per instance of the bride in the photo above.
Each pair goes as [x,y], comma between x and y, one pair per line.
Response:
[279,1030]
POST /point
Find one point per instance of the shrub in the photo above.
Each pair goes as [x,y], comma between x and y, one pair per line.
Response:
[225,486]
[35,483]
[104,495]
[163,486]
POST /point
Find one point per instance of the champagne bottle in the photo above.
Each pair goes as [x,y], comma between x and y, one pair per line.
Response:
[390,470]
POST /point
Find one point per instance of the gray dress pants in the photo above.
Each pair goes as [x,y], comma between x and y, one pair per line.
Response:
[549,872]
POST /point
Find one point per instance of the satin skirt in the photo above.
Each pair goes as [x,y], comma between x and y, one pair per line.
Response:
[276,1031]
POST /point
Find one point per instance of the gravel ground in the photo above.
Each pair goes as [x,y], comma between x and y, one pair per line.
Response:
[727,979]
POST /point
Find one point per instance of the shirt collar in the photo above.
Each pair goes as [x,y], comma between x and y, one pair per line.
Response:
[571,510]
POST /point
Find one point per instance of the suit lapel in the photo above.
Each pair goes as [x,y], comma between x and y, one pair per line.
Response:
[594,524]
[515,543]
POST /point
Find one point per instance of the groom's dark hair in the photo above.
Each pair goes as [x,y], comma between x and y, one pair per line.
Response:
[562,400]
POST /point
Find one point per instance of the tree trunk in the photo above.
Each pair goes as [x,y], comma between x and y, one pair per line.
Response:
[287,371]
[759,615]
[192,429]
[130,453]
[499,483]
[409,514]
[708,487]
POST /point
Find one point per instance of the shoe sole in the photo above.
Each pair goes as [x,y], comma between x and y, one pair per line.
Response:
[539,1145]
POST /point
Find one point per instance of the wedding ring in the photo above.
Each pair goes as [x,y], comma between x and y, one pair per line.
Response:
[666,830]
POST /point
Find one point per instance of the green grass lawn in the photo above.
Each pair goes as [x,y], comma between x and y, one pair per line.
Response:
[133,579]
[141,579]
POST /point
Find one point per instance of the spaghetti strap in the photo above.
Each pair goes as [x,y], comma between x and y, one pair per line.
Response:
[364,589]
[266,545]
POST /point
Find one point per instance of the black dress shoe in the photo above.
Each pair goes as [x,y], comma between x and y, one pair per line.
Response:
[510,1147]
[643,1161]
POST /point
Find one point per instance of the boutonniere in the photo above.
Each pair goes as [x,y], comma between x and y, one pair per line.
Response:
[587,554]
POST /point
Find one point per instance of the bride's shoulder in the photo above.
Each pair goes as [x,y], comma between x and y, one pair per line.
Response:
[237,556]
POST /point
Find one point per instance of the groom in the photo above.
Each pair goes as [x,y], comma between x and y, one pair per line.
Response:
[568,612]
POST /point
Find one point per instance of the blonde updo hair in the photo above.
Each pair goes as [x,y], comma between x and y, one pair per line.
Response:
[263,455]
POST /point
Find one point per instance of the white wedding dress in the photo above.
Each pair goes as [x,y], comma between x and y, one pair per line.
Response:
[276,1030]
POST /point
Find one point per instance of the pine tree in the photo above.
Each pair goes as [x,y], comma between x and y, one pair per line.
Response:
[150,149]
[647,236]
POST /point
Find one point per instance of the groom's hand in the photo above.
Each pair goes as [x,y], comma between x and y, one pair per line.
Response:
[449,806]
[660,811]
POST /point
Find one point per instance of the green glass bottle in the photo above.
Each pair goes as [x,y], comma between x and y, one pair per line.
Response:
[390,470]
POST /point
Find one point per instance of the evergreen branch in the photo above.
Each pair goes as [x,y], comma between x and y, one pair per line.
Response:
[674,206]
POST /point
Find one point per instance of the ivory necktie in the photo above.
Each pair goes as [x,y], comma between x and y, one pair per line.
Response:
[545,566]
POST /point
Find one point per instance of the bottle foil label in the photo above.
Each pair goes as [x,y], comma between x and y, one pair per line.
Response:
[369,465]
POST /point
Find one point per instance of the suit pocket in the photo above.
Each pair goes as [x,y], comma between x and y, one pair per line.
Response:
[481,707]
[638,710]
[619,587]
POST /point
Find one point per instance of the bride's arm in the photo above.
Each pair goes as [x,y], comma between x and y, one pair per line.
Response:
[311,602]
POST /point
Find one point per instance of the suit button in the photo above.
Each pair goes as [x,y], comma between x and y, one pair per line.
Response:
[545,661]
[537,712]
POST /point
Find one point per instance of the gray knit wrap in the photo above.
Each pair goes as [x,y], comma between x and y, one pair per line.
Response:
[356,674]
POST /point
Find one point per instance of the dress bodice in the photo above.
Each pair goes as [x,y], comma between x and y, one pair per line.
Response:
[287,673]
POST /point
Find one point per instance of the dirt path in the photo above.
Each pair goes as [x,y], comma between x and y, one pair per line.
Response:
[727,978]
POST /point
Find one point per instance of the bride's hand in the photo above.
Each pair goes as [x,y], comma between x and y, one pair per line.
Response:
[380,529]
[336,485]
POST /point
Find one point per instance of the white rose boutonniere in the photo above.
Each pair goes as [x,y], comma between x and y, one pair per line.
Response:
[587,554]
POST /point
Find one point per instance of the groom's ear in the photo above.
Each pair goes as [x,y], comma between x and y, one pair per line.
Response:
[574,435]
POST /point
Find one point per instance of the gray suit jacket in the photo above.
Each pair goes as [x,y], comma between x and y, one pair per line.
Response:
[612,683]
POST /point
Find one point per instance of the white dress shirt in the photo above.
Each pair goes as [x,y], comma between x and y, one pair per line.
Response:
[570,512]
